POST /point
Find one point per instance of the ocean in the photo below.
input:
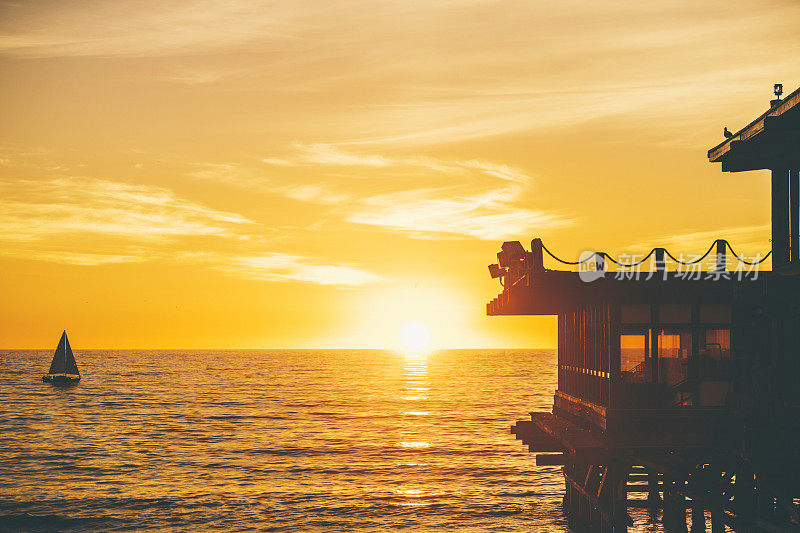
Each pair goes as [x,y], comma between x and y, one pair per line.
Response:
[276,440]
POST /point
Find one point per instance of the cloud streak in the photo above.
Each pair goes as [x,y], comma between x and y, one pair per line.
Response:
[52,220]
[428,213]
[32,210]
[475,199]
[394,74]
[139,29]
[86,259]
[281,267]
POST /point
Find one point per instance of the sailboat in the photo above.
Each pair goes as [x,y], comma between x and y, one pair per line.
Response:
[63,369]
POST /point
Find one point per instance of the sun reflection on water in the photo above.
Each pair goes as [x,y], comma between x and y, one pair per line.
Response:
[418,493]
[413,444]
[416,380]
[415,428]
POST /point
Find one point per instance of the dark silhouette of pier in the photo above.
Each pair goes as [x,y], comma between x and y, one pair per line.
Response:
[677,391]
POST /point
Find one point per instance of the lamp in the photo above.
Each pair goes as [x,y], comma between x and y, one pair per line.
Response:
[510,251]
[495,271]
[778,90]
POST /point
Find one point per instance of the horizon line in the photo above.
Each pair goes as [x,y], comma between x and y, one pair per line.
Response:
[295,349]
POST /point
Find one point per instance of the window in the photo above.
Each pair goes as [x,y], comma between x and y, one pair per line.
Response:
[720,314]
[674,314]
[635,314]
[675,343]
[634,346]
[674,351]
[715,354]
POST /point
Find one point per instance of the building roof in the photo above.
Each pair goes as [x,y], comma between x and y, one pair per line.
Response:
[770,141]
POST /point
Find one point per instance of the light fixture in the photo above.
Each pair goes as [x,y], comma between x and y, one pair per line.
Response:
[512,251]
[495,271]
[778,89]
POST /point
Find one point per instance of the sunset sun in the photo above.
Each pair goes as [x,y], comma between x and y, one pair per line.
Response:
[415,337]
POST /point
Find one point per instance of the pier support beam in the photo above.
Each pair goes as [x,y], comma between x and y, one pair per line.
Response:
[745,493]
[674,507]
[653,498]
[717,521]
[780,218]
[614,491]
[698,517]
[794,210]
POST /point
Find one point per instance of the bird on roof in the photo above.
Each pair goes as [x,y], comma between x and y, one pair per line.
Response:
[727,133]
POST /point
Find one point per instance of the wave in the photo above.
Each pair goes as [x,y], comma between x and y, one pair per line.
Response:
[52,522]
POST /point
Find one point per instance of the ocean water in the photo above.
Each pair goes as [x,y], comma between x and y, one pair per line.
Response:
[294,440]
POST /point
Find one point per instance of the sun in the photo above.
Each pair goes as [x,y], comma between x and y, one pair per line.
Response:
[415,337]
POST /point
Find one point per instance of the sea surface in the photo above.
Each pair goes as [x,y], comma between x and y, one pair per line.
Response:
[280,440]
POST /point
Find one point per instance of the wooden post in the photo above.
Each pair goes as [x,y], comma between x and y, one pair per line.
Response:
[698,517]
[653,498]
[717,523]
[745,492]
[677,508]
[614,355]
[600,261]
[617,484]
[668,512]
[780,218]
[654,362]
[661,267]
[538,258]
[567,500]
[722,246]
[694,373]
[794,209]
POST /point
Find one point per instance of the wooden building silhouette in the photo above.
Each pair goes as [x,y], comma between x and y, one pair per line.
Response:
[678,384]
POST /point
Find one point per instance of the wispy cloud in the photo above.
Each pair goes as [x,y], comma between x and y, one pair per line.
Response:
[32,210]
[504,172]
[138,29]
[489,215]
[332,155]
[228,173]
[90,222]
[327,154]
[85,259]
[464,198]
[318,194]
[389,73]
[286,267]
[474,199]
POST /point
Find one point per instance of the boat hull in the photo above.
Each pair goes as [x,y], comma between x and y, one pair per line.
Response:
[61,379]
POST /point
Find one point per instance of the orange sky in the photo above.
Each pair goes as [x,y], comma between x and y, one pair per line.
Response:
[317,174]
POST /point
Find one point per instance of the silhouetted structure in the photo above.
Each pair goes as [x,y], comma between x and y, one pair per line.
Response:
[63,368]
[677,384]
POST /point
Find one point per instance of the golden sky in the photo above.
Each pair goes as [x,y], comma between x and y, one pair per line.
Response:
[317,174]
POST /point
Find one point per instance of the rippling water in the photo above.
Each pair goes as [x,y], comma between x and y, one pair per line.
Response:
[276,440]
